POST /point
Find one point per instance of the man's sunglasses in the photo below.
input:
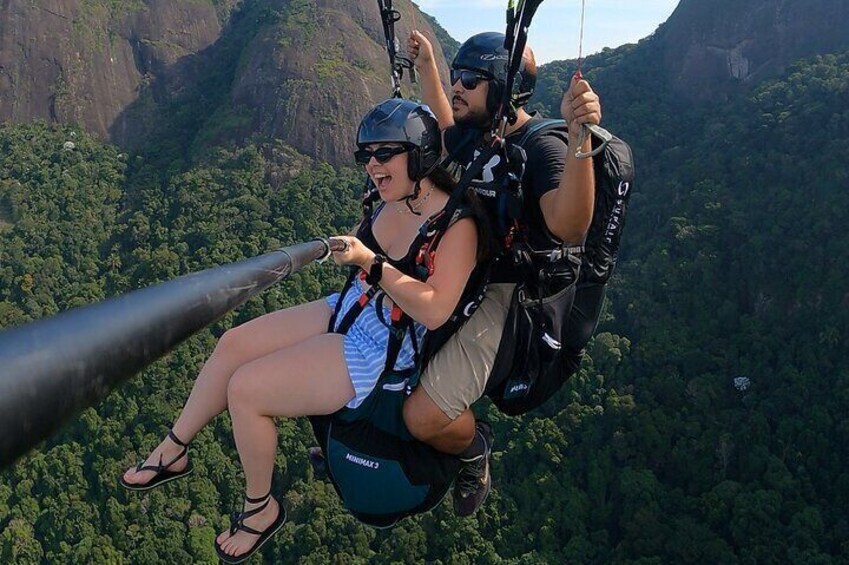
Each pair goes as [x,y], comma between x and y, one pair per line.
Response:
[382,154]
[469,79]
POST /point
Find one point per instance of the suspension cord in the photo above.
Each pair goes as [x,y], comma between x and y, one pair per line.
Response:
[581,39]
[588,129]
[397,63]
[519,16]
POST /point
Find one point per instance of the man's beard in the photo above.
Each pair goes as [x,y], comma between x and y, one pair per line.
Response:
[474,119]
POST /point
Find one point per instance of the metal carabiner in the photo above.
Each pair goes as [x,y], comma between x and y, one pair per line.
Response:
[332,244]
[598,131]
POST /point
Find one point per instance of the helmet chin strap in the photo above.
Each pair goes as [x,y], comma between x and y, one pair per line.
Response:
[418,188]
[410,197]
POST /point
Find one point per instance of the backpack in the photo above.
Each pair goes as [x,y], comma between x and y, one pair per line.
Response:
[556,307]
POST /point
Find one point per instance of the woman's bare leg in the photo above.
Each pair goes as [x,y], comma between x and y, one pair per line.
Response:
[238,346]
[310,378]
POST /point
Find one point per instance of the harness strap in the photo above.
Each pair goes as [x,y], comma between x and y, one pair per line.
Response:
[399,324]
[331,326]
[396,339]
[471,172]
[397,63]
[540,126]
[352,314]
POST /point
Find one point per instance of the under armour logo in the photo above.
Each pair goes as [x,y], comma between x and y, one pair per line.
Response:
[551,342]
[487,174]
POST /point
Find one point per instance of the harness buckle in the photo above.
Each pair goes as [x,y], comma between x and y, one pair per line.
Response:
[426,259]
[396,314]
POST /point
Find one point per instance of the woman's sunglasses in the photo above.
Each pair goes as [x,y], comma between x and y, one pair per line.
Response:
[469,79]
[382,154]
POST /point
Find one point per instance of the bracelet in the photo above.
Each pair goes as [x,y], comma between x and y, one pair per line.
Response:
[375,273]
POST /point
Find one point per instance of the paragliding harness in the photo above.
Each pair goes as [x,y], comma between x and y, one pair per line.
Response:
[382,473]
[556,306]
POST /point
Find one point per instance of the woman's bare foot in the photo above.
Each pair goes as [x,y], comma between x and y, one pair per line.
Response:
[241,542]
[169,452]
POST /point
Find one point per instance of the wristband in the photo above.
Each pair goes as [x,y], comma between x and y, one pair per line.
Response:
[375,273]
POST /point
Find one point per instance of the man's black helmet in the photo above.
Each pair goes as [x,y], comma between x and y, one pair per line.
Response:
[402,121]
[485,53]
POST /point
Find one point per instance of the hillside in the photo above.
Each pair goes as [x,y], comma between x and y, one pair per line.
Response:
[128,71]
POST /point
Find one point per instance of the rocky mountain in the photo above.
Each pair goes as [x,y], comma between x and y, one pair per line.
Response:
[709,54]
[198,73]
[309,75]
[711,48]
[302,71]
[85,61]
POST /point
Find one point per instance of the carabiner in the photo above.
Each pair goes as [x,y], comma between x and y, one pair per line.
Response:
[598,131]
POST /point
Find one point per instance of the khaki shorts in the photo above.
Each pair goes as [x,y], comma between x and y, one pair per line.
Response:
[456,376]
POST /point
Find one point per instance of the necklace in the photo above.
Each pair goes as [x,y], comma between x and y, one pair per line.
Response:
[414,207]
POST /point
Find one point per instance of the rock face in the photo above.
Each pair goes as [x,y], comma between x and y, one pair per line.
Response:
[310,77]
[714,46]
[77,61]
[303,71]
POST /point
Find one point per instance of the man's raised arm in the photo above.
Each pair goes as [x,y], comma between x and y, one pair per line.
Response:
[421,52]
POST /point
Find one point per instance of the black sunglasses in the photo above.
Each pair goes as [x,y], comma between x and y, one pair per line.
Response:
[382,154]
[469,79]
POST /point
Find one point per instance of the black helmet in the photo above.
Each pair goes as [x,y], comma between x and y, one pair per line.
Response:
[485,53]
[402,121]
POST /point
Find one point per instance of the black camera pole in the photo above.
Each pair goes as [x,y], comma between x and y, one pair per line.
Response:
[53,368]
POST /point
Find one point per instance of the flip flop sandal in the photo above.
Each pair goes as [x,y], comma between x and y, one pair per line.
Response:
[237,522]
[163,475]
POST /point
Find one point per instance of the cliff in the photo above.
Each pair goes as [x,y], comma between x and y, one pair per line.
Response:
[302,71]
[711,48]
[78,61]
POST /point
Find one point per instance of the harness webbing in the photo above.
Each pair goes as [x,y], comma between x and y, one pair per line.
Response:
[519,16]
[399,324]
[397,63]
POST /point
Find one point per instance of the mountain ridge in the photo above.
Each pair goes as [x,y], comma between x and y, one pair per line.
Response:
[283,68]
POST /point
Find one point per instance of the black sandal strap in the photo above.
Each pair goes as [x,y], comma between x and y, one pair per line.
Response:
[160,467]
[176,440]
[237,522]
[237,519]
[250,500]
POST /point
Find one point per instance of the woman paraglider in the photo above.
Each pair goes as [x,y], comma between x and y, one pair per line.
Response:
[326,357]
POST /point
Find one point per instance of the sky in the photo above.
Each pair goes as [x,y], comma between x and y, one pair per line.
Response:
[554,32]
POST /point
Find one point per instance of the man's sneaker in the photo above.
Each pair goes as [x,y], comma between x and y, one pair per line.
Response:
[473,480]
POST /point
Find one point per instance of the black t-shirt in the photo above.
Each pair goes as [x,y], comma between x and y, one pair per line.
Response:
[546,160]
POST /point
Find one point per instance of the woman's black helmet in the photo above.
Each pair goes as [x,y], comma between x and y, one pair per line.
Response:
[402,121]
[485,53]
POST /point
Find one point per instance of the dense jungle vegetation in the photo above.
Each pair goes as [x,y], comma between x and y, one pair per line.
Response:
[734,265]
